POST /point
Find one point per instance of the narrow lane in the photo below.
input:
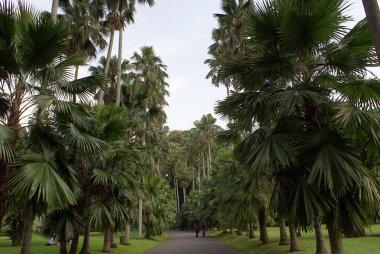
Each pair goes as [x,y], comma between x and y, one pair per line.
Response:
[186,243]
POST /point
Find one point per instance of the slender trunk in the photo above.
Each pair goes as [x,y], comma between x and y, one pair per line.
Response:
[184,194]
[4,178]
[283,236]
[118,69]
[335,238]
[263,226]
[113,244]
[294,245]
[209,160]
[199,178]
[107,65]
[54,9]
[74,244]
[28,227]
[193,181]
[319,239]
[62,246]
[251,231]
[371,8]
[238,231]
[177,188]
[203,165]
[127,234]
[175,195]
[231,229]
[86,240]
[107,240]
[75,78]
[139,233]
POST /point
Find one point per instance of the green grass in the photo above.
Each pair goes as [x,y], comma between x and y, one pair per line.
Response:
[362,245]
[96,244]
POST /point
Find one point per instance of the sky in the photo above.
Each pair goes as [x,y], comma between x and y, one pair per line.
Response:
[180,33]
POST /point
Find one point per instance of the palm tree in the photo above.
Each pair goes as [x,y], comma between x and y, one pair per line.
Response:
[120,13]
[302,133]
[371,8]
[86,31]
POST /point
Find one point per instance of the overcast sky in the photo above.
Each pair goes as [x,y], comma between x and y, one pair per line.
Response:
[180,32]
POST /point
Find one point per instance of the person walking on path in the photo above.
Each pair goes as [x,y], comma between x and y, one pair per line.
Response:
[203,228]
[197,228]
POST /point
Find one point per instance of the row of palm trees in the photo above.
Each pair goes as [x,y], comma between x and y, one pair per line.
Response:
[81,167]
[302,115]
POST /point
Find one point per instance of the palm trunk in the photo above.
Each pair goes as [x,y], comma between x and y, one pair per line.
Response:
[74,244]
[118,69]
[199,178]
[107,240]
[283,236]
[251,231]
[4,178]
[175,195]
[16,227]
[371,8]
[86,240]
[209,160]
[319,239]
[263,226]
[231,229]
[107,65]
[62,246]
[28,227]
[139,233]
[335,238]
[294,245]
[203,163]
[54,9]
[184,194]
[127,234]
[113,244]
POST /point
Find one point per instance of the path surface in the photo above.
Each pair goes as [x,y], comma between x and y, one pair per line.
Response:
[186,243]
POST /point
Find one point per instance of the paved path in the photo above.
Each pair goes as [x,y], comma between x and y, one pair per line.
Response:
[186,243]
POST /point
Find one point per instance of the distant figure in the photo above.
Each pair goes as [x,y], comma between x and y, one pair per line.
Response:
[197,228]
[51,241]
[203,228]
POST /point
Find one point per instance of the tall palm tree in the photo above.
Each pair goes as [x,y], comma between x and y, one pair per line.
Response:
[302,131]
[120,13]
[372,11]
[87,34]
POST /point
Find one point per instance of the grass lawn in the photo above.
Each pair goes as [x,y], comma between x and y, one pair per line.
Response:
[362,245]
[96,244]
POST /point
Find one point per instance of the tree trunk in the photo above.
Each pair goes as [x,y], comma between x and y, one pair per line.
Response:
[75,78]
[231,229]
[118,69]
[283,236]
[335,238]
[113,244]
[17,228]
[107,240]
[294,245]
[204,166]
[127,234]
[139,233]
[107,65]
[372,12]
[4,178]
[238,231]
[209,160]
[177,188]
[319,239]
[86,240]
[54,9]
[263,226]
[184,194]
[62,246]
[74,244]
[28,227]
[251,231]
